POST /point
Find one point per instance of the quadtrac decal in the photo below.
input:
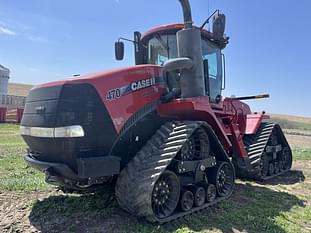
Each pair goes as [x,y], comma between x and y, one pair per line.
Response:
[116,93]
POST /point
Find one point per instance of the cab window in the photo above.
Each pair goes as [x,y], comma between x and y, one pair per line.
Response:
[213,55]
[161,48]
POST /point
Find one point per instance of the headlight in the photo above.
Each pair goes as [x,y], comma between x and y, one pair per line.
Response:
[74,131]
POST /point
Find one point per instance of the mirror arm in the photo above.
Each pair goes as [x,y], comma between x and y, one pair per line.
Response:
[125,39]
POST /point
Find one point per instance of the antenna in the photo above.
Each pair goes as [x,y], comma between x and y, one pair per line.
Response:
[208,13]
[207,20]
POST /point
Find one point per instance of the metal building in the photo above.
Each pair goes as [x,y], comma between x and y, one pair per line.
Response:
[4,80]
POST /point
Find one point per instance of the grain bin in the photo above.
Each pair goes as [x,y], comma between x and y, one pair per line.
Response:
[4,80]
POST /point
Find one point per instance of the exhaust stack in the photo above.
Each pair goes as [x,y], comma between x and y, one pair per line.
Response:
[189,46]
[187,13]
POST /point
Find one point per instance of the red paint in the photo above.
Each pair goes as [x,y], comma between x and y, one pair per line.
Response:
[228,118]
[121,109]
[19,114]
[3,114]
[253,122]
[173,27]
[195,109]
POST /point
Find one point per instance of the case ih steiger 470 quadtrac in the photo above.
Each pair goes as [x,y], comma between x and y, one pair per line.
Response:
[160,131]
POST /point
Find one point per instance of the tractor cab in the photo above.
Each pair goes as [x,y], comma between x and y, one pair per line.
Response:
[159,45]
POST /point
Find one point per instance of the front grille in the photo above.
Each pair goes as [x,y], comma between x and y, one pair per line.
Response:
[74,104]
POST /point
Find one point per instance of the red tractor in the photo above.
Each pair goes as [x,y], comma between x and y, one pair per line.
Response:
[160,131]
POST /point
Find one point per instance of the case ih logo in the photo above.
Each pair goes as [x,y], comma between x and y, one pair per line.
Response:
[134,86]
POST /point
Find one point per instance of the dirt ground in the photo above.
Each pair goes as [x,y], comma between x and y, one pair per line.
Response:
[18,212]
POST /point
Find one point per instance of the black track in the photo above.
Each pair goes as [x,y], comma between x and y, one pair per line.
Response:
[268,134]
[136,182]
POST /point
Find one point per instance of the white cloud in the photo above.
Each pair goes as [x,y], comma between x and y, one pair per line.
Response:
[6,31]
[19,29]
[36,38]
[117,1]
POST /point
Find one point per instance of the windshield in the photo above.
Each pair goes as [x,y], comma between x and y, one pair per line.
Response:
[161,48]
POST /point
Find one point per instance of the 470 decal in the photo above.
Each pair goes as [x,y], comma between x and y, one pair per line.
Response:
[113,94]
[134,86]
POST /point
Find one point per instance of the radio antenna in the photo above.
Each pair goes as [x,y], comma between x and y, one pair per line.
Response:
[207,20]
[208,13]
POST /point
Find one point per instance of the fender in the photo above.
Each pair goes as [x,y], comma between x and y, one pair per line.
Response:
[195,109]
[216,144]
[137,130]
[253,122]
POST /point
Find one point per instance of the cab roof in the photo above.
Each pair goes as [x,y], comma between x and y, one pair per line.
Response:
[179,26]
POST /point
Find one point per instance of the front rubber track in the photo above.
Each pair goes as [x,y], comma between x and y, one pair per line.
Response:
[136,181]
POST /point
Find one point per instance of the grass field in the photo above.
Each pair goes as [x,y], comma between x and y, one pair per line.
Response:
[27,204]
[292,122]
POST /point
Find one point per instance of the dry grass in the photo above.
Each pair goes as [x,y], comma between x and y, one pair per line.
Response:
[19,89]
[291,118]
[299,141]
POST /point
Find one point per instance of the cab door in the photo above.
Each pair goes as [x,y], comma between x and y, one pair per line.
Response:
[214,83]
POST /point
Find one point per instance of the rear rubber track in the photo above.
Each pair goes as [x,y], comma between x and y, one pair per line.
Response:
[256,146]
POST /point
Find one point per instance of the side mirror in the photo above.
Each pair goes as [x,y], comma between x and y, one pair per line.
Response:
[119,50]
[219,23]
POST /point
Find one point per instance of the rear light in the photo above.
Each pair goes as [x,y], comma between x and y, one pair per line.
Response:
[74,131]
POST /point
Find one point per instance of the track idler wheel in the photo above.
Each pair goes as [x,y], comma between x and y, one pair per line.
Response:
[165,194]
[186,201]
[211,193]
[222,176]
[286,158]
[196,147]
[199,196]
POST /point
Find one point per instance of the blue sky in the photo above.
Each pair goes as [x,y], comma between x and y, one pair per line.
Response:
[269,50]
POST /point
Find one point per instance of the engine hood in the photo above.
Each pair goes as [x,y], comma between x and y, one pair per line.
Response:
[105,75]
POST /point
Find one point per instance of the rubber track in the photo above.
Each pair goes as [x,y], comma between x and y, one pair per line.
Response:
[255,145]
[135,183]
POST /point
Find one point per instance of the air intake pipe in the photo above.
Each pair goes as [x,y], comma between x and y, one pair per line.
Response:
[189,47]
